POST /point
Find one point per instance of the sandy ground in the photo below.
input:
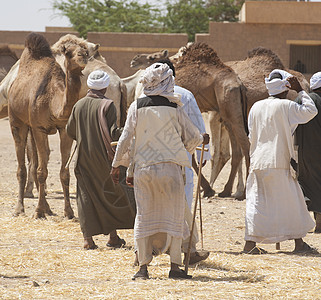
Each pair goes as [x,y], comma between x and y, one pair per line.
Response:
[44,259]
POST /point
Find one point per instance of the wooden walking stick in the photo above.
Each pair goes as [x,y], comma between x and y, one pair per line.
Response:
[70,157]
[188,254]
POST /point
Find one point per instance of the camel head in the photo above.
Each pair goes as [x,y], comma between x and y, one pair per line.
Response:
[142,61]
[76,56]
[174,58]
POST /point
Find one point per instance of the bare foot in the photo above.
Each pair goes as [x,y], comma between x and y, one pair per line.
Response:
[89,244]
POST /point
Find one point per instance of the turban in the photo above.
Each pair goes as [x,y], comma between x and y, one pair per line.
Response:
[277,85]
[158,80]
[98,80]
[315,81]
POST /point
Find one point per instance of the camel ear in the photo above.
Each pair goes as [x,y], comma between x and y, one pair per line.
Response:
[165,53]
[96,47]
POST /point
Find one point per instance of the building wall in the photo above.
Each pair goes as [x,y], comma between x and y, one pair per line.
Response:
[117,48]
[232,41]
[281,12]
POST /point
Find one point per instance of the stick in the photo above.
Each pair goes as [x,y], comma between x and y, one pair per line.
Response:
[194,213]
[70,157]
[201,222]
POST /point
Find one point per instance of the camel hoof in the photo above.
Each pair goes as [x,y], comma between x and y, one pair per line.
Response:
[224,194]
[239,196]
[18,213]
[28,194]
[39,215]
[69,215]
[209,193]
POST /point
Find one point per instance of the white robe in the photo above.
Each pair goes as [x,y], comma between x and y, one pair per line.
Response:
[158,185]
[275,206]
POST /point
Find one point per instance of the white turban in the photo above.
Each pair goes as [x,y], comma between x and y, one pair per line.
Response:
[158,79]
[98,80]
[315,81]
[277,85]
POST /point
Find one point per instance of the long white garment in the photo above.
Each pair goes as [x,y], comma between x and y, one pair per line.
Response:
[275,206]
[193,112]
[158,184]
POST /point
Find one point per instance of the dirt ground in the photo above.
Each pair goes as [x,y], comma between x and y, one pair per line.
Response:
[44,259]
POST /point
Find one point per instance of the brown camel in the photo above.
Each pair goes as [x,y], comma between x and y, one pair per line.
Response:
[41,98]
[135,89]
[259,63]
[217,87]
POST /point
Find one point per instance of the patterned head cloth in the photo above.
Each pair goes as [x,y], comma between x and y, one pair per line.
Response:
[315,81]
[98,80]
[277,86]
[158,80]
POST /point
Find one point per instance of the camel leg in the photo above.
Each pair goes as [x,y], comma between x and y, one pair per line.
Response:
[41,140]
[32,166]
[208,191]
[65,147]
[221,146]
[235,162]
[239,194]
[19,134]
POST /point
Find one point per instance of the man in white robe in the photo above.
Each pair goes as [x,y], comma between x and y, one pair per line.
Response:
[162,133]
[193,112]
[275,206]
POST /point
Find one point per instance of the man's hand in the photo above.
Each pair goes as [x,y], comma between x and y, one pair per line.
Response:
[294,84]
[115,174]
[130,181]
[206,138]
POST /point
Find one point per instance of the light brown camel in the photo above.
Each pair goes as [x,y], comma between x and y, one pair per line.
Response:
[41,98]
[216,88]
[116,89]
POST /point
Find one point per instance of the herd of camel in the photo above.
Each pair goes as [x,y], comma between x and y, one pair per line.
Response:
[38,91]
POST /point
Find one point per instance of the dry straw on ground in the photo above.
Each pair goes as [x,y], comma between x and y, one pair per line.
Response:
[43,259]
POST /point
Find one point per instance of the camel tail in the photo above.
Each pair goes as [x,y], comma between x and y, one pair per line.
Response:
[123,104]
[38,46]
[244,107]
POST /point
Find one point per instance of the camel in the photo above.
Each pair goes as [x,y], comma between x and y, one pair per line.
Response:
[257,65]
[115,91]
[41,98]
[217,89]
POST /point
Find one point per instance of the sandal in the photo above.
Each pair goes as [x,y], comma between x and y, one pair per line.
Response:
[120,243]
[255,251]
[306,249]
[179,274]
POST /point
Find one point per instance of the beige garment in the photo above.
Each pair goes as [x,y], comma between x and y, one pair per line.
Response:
[160,200]
[157,244]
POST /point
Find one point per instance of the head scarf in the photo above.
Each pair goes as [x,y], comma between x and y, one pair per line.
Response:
[277,86]
[315,81]
[158,80]
[98,80]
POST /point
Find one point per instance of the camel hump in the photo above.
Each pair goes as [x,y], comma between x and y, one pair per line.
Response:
[261,51]
[201,52]
[38,46]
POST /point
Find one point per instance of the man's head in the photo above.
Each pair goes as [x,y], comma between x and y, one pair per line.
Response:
[169,63]
[277,84]
[315,82]
[98,80]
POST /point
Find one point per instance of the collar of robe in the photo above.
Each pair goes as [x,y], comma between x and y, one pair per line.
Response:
[96,94]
